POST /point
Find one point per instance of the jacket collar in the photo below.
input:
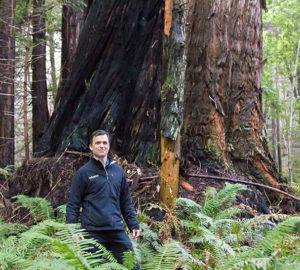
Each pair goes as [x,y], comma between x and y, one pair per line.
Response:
[97,162]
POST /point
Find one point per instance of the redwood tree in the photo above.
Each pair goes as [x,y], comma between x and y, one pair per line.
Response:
[7,57]
[223,106]
[115,84]
[40,114]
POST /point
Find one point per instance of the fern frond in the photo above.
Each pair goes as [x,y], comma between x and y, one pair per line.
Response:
[209,193]
[163,259]
[39,208]
[267,246]
[228,213]
[129,260]
[222,200]
[202,219]
[187,205]
[7,229]
[278,233]
[110,266]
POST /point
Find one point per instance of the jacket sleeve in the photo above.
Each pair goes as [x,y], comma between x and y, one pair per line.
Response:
[75,198]
[126,204]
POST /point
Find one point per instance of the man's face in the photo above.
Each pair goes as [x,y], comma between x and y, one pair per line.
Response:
[100,146]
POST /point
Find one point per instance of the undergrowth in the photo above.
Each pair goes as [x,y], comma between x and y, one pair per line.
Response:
[209,236]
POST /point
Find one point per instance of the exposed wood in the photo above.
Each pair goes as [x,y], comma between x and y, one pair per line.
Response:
[169,173]
[172,103]
[78,153]
[7,58]
[168,16]
[235,180]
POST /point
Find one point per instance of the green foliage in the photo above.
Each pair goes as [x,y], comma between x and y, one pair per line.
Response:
[222,200]
[271,250]
[5,172]
[39,208]
[213,237]
[281,37]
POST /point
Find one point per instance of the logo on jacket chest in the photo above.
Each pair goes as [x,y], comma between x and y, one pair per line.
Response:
[93,176]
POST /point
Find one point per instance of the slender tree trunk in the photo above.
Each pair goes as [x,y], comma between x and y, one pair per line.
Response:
[291,114]
[7,58]
[70,30]
[40,113]
[223,108]
[172,101]
[26,73]
[275,141]
[279,146]
[52,61]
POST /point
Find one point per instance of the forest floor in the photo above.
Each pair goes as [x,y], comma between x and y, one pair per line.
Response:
[50,178]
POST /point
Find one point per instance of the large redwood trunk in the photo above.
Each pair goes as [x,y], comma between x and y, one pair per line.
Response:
[40,113]
[114,82]
[223,106]
[7,57]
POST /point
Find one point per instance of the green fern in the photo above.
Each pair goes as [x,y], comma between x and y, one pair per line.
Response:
[39,208]
[163,259]
[223,199]
[266,249]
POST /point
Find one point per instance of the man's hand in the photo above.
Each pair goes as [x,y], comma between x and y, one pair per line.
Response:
[135,233]
[77,236]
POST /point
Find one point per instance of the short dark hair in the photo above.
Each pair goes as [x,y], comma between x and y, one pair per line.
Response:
[99,132]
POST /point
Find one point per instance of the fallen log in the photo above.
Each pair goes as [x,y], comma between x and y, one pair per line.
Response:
[236,180]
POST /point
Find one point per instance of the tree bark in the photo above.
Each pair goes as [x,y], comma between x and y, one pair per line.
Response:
[114,82]
[291,116]
[40,113]
[52,62]
[223,108]
[275,141]
[70,29]
[172,101]
[7,58]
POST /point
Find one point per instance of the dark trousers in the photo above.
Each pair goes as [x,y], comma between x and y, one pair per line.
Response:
[116,241]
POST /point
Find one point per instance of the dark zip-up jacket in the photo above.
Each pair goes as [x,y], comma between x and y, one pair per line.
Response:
[104,196]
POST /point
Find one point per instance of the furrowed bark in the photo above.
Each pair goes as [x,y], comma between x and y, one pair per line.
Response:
[70,29]
[40,113]
[7,58]
[26,72]
[114,84]
[223,107]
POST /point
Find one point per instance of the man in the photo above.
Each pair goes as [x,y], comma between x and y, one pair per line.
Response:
[100,187]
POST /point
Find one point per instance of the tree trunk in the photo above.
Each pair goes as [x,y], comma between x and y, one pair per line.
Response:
[223,108]
[26,73]
[172,102]
[40,113]
[70,30]
[7,58]
[52,62]
[275,141]
[279,146]
[114,82]
[115,85]
[291,117]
